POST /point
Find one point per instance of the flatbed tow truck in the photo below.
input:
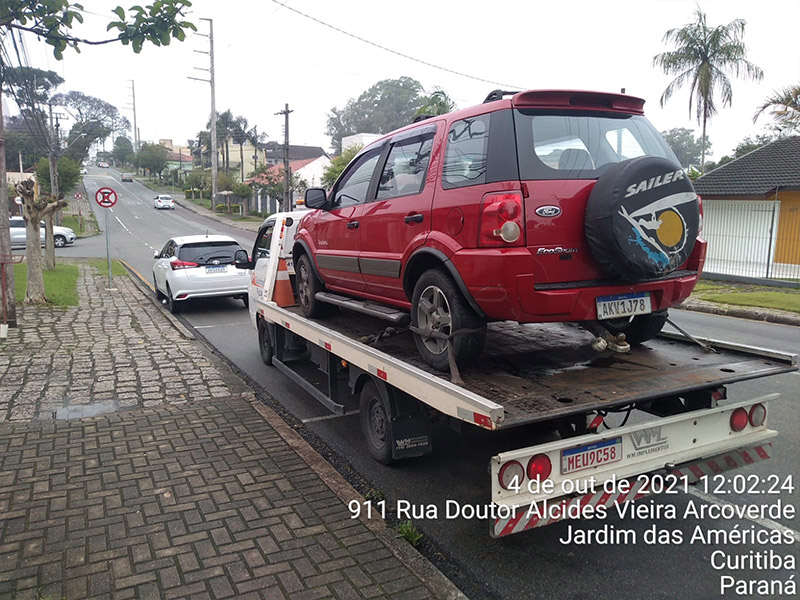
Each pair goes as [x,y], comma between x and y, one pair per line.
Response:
[528,375]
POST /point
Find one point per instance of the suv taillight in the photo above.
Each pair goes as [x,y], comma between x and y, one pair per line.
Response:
[182,264]
[502,220]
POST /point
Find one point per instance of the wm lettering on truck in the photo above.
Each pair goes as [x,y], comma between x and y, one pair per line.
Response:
[692,431]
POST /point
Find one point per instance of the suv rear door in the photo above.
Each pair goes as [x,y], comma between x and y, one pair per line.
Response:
[398,217]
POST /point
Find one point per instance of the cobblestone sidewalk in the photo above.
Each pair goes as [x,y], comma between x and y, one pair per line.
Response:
[115,350]
[172,498]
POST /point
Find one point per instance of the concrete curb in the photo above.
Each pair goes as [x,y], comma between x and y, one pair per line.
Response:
[147,290]
[204,212]
[434,580]
[755,314]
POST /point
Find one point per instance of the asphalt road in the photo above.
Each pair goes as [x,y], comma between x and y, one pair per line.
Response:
[536,564]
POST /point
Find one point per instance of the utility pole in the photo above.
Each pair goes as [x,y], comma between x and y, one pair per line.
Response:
[53,157]
[287,173]
[135,128]
[210,80]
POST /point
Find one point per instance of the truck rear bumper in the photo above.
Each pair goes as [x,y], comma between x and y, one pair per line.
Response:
[675,451]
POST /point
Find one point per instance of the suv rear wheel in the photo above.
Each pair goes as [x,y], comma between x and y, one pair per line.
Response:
[638,329]
[438,307]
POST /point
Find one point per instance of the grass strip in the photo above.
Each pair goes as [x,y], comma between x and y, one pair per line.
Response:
[60,285]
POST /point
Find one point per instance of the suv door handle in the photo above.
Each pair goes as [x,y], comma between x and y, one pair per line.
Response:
[415,218]
[352,225]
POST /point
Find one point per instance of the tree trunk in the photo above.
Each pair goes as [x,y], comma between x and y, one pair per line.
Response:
[241,160]
[34,293]
[49,244]
[703,147]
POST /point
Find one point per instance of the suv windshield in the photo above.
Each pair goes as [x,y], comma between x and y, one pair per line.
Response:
[580,145]
[206,252]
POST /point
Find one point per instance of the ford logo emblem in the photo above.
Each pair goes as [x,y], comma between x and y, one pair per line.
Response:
[548,211]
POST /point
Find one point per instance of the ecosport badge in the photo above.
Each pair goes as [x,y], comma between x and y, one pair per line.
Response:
[659,228]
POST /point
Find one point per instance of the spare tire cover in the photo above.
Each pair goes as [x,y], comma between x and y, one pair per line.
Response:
[642,218]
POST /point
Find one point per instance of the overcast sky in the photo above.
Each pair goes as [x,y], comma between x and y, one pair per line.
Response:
[267,55]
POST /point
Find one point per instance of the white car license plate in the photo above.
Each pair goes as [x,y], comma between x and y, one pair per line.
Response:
[217,269]
[591,455]
[626,305]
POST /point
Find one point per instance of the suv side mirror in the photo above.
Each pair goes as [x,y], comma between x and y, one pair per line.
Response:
[241,260]
[156,254]
[316,198]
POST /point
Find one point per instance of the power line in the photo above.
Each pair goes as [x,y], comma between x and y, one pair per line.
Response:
[406,56]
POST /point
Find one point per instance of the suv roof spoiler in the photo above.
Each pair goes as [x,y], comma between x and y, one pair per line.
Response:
[498,95]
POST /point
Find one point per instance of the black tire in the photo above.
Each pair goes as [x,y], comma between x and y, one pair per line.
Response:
[159,295]
[172,305]
[376,423]
[642,219]
[307,287]
[438,304]
[638,329]
[264,343]
[59,241]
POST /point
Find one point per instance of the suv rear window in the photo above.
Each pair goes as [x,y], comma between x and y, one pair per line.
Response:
[204,252]
[579,145]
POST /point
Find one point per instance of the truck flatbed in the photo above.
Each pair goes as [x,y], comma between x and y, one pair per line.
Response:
[546,371]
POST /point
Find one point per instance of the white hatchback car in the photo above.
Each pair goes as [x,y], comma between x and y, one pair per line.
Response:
[198,266]
[163,201]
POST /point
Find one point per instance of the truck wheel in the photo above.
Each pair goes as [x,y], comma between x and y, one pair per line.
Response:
[638,329]
[376,424]
[264,343]
[438,305]
[307,287]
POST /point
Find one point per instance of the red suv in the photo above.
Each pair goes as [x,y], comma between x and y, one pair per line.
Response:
[543,206]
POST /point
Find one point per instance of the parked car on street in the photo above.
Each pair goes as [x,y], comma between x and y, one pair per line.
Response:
[103,165]
[198,266]
[127,177]
[84,171]
[62,236]
[163,201]
[561,206]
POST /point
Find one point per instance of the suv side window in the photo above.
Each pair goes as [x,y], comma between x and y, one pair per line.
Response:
[169,250]
[17,222]
[406,168]
[465,157]
[353,187]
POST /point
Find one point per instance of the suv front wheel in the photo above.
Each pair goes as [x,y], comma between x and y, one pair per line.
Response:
[308,285]
[440,310]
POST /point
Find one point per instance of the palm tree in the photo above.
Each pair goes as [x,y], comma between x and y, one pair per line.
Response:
[704,57]
[785,105]
[438,103]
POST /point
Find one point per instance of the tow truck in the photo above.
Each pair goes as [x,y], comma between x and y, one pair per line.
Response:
[684,428]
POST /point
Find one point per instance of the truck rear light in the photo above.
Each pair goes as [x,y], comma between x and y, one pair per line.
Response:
[501,220]
[181,264]
[739,419]
[539,467]
[511,475]
[758,415]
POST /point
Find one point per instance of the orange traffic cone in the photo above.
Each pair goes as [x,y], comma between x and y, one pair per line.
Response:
[282,295]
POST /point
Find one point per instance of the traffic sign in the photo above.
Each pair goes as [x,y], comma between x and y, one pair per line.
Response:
[78,195]
[106,197]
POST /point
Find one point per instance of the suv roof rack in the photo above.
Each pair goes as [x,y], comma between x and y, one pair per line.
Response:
[419,118]
[498,95]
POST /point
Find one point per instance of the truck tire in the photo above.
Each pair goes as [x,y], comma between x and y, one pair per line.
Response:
[639,328]
[376,423]
[307,287]
[642,218]
[264,343]
[438,305]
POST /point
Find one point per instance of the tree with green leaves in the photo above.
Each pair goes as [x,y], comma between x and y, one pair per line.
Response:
[338,163]
[703,58]
[123,151]
[69,174]
[152,157]
[436,103]
[687,148]
[784,108]
[53,21]
[387,105]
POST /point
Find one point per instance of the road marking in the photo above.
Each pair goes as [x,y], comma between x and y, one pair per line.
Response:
[329,417]
[768,523]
